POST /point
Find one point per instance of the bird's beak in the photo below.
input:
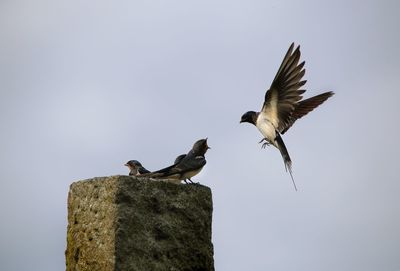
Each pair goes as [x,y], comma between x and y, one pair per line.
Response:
[126,165]
[240,121]
[206,143]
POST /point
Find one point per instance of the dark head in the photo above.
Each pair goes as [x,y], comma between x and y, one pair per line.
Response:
[133,164]
[200,147]
[250,117]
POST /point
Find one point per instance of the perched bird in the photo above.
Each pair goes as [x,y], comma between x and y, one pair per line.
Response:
[186,165]
[136,168]
[283,105]
[177,160]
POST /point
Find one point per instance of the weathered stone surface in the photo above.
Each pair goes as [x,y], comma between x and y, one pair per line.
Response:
[126,223]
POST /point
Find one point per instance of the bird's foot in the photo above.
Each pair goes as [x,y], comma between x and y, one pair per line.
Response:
[191,182]
[266,143]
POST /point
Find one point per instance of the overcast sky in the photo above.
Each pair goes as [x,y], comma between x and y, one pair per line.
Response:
[87,85]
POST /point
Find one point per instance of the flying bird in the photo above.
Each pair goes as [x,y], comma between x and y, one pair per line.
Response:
[283,105]
[186,165]
[136,168]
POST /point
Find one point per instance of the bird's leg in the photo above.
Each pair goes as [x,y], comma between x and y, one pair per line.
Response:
[266,143]
[192,181]
[185,180]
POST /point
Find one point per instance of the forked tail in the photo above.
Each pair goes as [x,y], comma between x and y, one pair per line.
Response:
[285,155]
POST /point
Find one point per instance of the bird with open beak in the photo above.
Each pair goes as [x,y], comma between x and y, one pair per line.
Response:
[185,166]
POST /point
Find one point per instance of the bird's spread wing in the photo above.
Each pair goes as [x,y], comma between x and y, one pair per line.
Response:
[306,106]
[284,93]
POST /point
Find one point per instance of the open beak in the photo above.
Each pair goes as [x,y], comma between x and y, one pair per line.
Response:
[206,143]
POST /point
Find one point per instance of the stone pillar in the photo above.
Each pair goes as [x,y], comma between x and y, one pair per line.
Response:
[124,223]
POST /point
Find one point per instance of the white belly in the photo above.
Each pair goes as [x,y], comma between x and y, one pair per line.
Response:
[266,128]
[190,174]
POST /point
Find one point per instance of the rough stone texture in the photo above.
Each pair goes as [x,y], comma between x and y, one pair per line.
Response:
[92,224]
[126,223]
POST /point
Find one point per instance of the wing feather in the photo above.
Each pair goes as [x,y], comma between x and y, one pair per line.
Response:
[281,98]
[306,106]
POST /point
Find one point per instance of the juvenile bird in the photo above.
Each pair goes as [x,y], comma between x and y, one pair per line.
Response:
[136,168]
[283,105]
[177,160]
[185,166]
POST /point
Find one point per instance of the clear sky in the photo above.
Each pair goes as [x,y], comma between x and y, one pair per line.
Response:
[87,85]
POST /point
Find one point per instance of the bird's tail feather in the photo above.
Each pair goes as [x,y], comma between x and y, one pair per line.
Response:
[285,155]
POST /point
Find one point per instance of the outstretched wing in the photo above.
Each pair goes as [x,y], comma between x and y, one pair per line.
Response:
[284,93]
[306,106]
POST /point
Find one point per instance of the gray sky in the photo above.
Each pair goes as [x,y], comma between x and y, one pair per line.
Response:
[87,85]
